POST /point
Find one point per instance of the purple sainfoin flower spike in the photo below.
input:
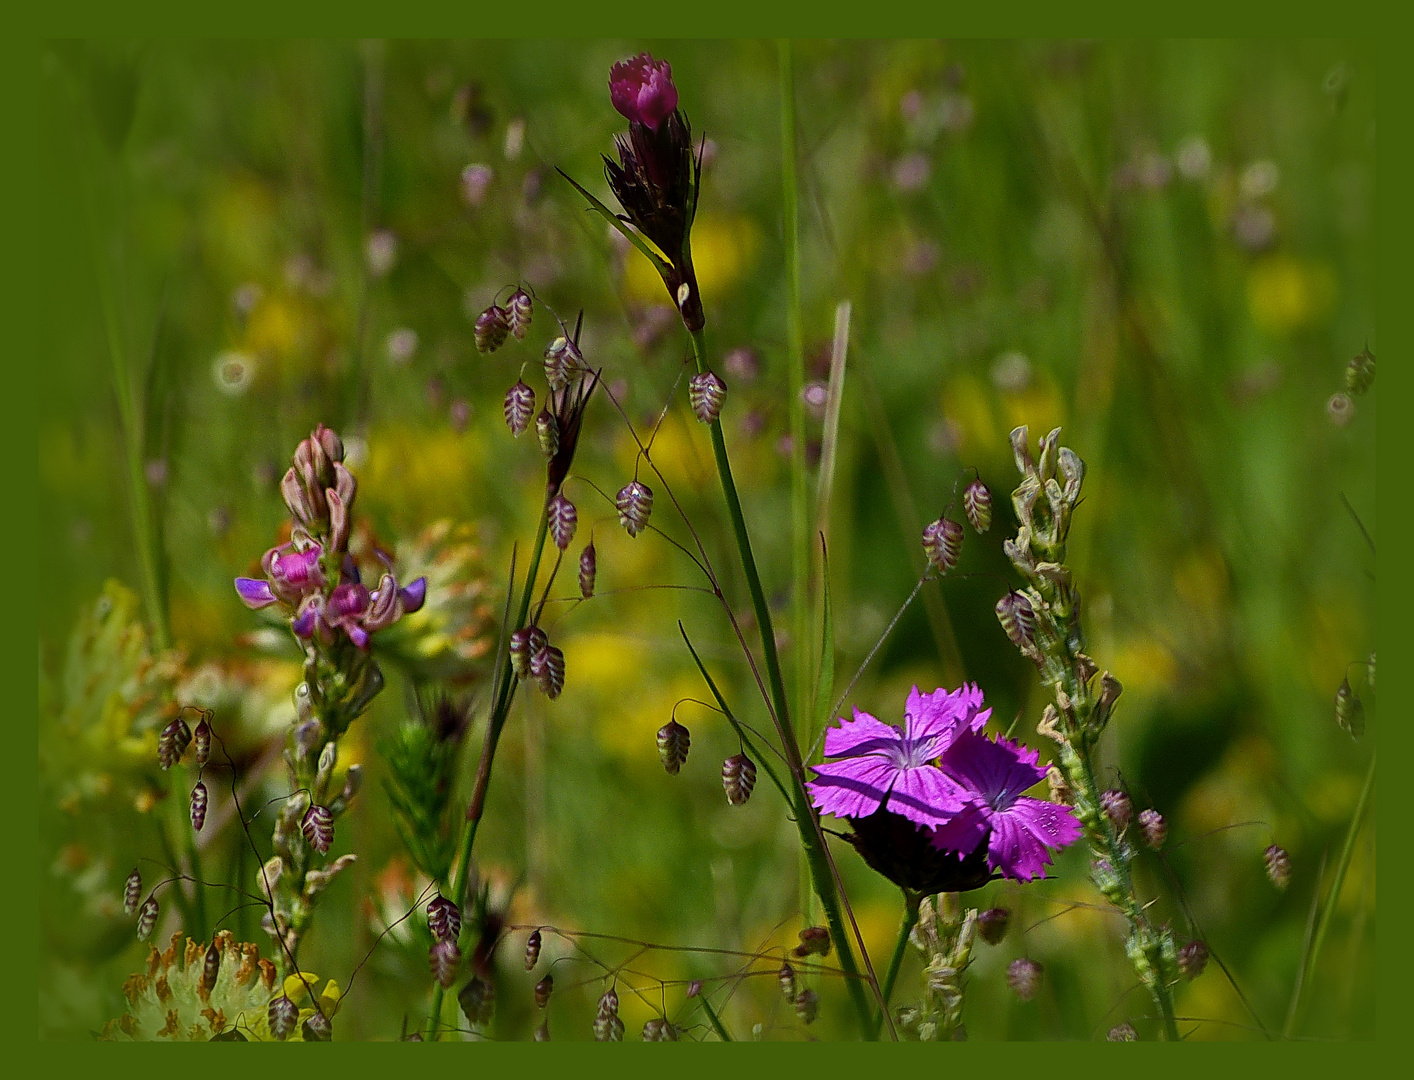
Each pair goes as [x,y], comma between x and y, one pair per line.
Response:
[642,89]
[1020,831]
[254,593]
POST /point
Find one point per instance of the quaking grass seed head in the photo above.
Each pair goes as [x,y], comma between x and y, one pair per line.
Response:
[201,739]
[318,828]
[492,326]
[674,741]
[738,778]
[1023,975]
[635,503]
[444,919]
[518,313]
[518,408]
[198,806]
[444,958]
[992,924]
[1118,808]
[1278,864]
[532,950]
[588,570]
[281,1016]
[1192,959]
[563,520]
[942,543]
[707,393]
[132,891]
[977,504]
[1154,828]
[543,989]
[147,917]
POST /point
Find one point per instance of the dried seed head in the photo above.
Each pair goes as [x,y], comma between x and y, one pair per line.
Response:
[478,1001]
[635,503]
[547,431]
[1060,789]
[1018,619]
[814,941]
[202,738]
[1278,866]
[551,676]
[318,827]
[543,989]
[1192,959]
[1122,1033]
[444,958]
[518,313]
[532,949]
[519,405]
[1154,828]
[147,917]
[942,543]
[282,1016]
[1023,975]
[977,504]
[563,519]
[992,924]
[492,326]
[444,919]
[198,806]
[1349,710]
[807,1006]
[738,778]
[317,1029]
[132,889]
[1117,808]
[787,980]
[706,392]
[173,742]
[1360,372]
[211,967]
[674,741]
[588,569]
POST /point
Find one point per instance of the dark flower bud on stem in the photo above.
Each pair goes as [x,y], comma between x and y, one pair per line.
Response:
[1118,808]
[518,408]
[532,950]
[211,966]
[786,976]
[807,1006]
[942,543]
[1154,828]
[1023,975]
[444,919]
[588,569]
[977,504]
[992,924]
[492,326]
[132,889]
[1192,959]
[814,941]
[635,504]
[1278,866]
[707,393]
[674,740]
[543,990]
[738,778]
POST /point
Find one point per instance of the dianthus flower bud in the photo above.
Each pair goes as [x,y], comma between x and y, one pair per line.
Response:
[478,1001]
[518,407]
[1018,619]
[563,519]
[132,889]
[317,1029]
[814,941]
[318,827]
[547,431]
[1122,1033]
[1023,975]
[992,924]
[551,673]
[1154,828]
[1349,710]
[518,312]
[282,1015]
[1360,372]
[588,569]
[635,503]
[1192,959]
[444,919]
[492,326]
[707,393]
[1278,866]
[738,778]
[147,917]
[198,806]
[173,742]
[1117,808]
[201,738]
[807,1006]
[532,949]
[674,740]
[211,966]
[444,958]
[977,504]
[942,543]
[786,976]
[543,990]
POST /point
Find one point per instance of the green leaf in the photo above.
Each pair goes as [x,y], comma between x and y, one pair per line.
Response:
[613,219]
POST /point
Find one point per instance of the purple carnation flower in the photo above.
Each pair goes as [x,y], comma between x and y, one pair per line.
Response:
[642,89]
[879,765]
[1019,831]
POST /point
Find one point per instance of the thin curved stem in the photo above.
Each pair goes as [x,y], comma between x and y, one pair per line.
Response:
[906,925]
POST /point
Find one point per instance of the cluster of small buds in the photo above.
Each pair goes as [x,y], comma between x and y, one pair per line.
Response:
[198,806]
[282,1016]
[1154,828]
[492,326]
[607,1025]
[563,520]
[444,919]
[1118,808]
[807,1006]
[738,778]
[1360,372]
[444,958]
[478,1001]
[532,950]
[1122,1033]
[147,917]
[518,313]
[657,1029]
[942,543]
[635,504]
[1023,975]
[1278,866]
[588,570]
[977,504]
[173,743]
[786,977]
[674,741]
[519,407]
[814,941]
[318,827]
[132,890]
[543,989]
[201,738]
[1192,959]
[706,392]
[1349,710]
[992,924]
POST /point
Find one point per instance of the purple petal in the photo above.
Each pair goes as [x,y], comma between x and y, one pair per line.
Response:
[348,599]
[1015,851]
[926,796]
[852,788]
[415,594]
[303,624]
[358,636]
[254,592]
[964,832]
[943,714]
[998,770]
[862,735]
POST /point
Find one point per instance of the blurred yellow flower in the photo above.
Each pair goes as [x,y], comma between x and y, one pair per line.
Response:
[1286,294]
[1143,664]
[417,475]
[723,250]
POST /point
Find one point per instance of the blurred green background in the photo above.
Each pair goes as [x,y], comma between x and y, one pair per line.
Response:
[1165,248]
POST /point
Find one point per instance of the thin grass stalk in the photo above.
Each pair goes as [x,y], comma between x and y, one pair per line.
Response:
[906,925]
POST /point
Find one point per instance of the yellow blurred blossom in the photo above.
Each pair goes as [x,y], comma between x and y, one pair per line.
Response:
[1143,665]
[1286,294]
[723,250]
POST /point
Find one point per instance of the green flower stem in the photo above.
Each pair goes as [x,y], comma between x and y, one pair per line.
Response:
[811,838]
[716,1021]
[461,869]
[910,920]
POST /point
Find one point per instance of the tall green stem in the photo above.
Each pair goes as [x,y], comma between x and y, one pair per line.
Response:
[910,920]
